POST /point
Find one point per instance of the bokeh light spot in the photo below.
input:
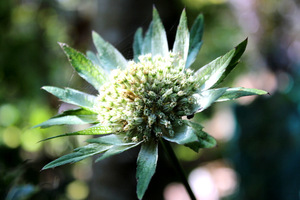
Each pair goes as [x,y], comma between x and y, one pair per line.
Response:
[39,114]
[175,191]
[77,190]
[11,137]
[30,140]
[9,115]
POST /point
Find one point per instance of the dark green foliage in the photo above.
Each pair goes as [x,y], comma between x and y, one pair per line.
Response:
[192,136]
[146,165]
[238,52]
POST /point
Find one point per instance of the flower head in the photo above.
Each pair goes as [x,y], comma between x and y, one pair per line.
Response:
[148,98]
[145,99]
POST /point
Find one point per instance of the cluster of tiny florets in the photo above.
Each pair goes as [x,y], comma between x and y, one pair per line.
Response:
[148,98]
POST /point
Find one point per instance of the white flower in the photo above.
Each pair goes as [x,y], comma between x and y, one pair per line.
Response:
[144,100]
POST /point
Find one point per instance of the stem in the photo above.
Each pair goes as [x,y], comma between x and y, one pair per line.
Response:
[167,147]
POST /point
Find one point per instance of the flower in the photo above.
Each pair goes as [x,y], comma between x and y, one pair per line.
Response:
[147,99]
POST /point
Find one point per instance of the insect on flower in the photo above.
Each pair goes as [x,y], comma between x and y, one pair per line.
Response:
[147,99]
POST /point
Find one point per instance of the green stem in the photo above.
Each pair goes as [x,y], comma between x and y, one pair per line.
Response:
[178,167]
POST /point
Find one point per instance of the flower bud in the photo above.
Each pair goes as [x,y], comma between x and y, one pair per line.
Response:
[151,119]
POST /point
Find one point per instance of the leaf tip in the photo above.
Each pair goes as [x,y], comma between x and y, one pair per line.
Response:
[45,88]
[155,14]
[95,35]
[246,41]
[62,45]
[183,16]
[154,8]
[43,140]
[94,32]
[46,167]
[200,18]
[36,126]
[263,92]
[48,88]
[242,45]
[139,30]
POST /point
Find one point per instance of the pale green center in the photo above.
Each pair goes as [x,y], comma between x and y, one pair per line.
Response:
[147,98]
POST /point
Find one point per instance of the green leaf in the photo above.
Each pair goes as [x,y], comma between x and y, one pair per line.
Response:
[146,165]
[93,57]
[78,155]
[96,60]
[72,96]
[109,56]
[85,67]
[116,149]
[181,44]
[208,75]
[108,139]
[195,40]
[190,134]
[205,98]
[159,42]
[76,116]
[77,111]
[138,44]
[94,130]
[68,120]
[147,43]
[234,93]
[205,140]
[185,136]
[238,52]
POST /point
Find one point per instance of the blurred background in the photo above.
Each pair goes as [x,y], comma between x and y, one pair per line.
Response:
[258,152]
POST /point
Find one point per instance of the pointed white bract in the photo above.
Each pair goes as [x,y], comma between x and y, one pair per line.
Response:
[159,42]
[182,39]
[109,56]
